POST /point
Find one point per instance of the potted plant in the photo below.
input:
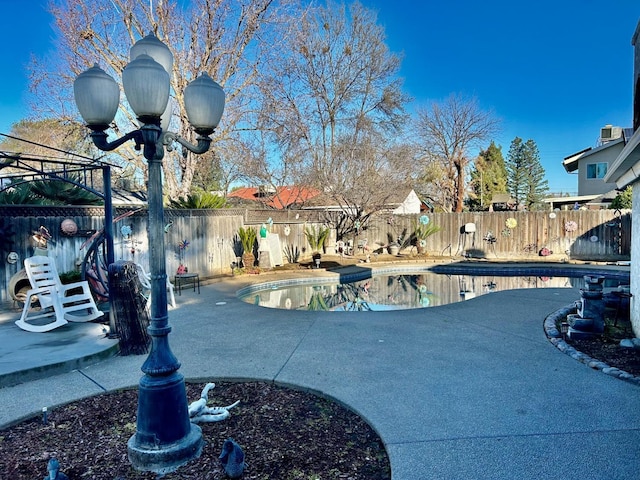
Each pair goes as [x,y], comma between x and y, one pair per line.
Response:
[316,236]
[393,248]
[423,229]
[248,237]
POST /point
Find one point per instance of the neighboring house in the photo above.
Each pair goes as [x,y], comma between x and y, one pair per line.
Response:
[591,165]
[410,204]
[121,198]
[406,203]
[625,171]
[279,198]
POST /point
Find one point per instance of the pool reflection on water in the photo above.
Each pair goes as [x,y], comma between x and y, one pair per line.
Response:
[398,291]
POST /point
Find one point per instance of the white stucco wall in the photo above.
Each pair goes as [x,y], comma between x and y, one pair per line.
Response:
[635,260]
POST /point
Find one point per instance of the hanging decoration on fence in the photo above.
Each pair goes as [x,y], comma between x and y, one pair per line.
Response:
[68,227]
[126,231]
[511,223]
[570,226]
[41,237]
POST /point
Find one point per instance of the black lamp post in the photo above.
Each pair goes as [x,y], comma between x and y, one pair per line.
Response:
[165,438]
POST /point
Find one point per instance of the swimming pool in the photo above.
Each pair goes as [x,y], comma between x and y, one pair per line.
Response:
[409,287]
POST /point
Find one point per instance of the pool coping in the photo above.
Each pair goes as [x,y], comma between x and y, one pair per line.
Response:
[354,273]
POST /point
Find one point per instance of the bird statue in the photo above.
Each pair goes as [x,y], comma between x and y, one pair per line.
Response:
[232,459]
[167,227]
[53,467]
[199,412]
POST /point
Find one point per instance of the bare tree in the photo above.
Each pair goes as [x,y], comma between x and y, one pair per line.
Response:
[44,138]
[224,38]
[448,131]
[333,105]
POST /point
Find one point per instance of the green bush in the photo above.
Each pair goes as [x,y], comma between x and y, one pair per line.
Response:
[623,199]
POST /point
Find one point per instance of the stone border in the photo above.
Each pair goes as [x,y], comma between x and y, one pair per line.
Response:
[555,337]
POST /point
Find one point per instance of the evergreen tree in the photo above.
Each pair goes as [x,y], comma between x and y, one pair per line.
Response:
[488,177]
[536,186]
[525,175]
[516,171]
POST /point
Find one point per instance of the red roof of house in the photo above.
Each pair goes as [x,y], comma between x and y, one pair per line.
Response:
[283,198]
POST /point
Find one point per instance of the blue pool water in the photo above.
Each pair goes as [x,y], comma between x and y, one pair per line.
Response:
[405,288]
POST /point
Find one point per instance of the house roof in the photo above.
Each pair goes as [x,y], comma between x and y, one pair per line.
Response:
[625,169]
[282,198]
[570,163]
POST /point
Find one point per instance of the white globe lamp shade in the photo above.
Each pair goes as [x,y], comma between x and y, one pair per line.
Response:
[97,96]
[165,119]
[146,85]
[204,102]
[152,46]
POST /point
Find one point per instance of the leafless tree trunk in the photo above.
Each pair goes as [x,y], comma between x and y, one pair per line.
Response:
[448,131]
[333,106]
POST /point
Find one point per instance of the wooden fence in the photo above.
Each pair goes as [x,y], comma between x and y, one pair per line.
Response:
[580,234]
[213,244]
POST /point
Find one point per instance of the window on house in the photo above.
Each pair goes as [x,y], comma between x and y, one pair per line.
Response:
[597,170]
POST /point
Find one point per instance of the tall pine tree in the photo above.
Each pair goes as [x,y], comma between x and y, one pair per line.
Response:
[536,186]
[488,177]
[516,170]
[525,175]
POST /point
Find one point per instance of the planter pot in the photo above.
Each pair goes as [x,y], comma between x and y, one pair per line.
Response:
[394,249]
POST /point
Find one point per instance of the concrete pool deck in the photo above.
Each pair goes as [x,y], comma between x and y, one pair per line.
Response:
[471,390]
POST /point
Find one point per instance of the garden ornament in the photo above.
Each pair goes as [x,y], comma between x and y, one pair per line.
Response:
[53,467]
[232,459]
[199,412]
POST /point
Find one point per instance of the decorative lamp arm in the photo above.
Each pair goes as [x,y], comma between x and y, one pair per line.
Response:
[100,140]
[204,142]
[148,136]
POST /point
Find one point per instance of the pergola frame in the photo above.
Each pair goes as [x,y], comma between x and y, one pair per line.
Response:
[33,168]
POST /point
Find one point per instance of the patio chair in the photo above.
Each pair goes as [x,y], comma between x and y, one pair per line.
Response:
[145,281]
[59,303]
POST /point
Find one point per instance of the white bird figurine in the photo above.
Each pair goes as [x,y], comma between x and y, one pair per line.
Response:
[199,412]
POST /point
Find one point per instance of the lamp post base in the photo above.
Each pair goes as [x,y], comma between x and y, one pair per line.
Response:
[166,459]
[165,438]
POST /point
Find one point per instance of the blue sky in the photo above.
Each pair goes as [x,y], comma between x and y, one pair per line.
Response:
[553,71]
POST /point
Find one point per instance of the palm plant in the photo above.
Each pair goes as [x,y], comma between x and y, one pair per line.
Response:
[421,232]
[317,237]
[198,200]
[247,237]
[49,192]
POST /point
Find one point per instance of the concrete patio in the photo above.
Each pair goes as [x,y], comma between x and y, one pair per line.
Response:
[471,390]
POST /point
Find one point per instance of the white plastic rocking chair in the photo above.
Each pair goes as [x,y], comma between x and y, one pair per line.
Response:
[145,281]
[59,303]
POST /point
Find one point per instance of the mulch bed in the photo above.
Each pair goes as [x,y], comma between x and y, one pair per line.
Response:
[285,434]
